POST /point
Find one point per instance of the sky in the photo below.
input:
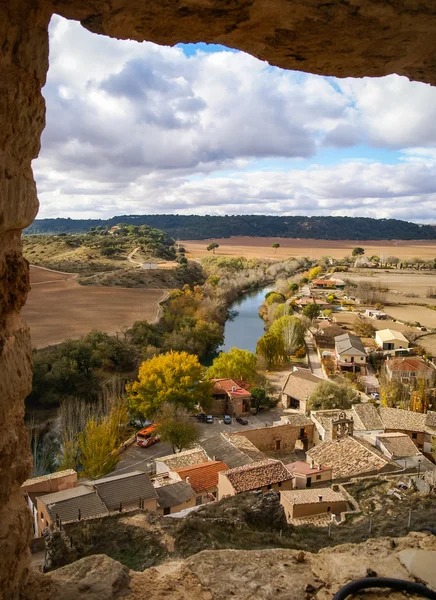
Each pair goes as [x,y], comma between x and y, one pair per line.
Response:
[195,129]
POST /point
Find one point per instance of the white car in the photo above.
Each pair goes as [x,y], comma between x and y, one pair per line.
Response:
[375,395]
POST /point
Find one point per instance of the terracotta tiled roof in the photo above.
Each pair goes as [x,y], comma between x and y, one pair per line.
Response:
[312,496]
[299,467]
[202,477]
[409,364]
[301,383]
[399,445]
[187,458]
[257,475]
[227,385]
[430,419]
[399,419]
[348,457]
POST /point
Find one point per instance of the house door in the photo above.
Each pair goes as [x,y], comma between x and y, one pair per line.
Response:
[278,444]
[309,482]
[352,359]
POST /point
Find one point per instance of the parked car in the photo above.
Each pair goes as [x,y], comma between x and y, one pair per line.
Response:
[242,421]
[375,395]
[209,419]
[227,420]
[201,417]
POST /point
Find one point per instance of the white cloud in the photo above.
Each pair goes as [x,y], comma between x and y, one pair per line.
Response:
[138,128]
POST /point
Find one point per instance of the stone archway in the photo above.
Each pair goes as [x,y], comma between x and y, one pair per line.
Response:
[343,38]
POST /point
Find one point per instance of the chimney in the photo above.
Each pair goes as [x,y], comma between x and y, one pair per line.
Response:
[311,463]
[233,388]
[320,498]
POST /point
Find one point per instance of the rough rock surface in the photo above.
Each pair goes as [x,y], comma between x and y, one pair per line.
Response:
[242,575]
[344,38]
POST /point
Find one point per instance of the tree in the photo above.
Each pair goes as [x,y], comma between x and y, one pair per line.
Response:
[358,251]
[235,364]
[271,349]
[363,327]
[213,246]
[293,288]
[312,311]
[291,331]
[174,377]
[96,444]
[175,427]
[274,298]
[260,399]
[314,273]
[329,395]
[275,246]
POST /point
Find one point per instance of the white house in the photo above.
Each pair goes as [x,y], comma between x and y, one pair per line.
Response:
[388,339]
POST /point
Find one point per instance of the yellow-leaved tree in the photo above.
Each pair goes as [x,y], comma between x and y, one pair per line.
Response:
[174,377]
[96,443]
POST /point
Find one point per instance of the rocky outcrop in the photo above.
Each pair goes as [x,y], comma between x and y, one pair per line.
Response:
[347,38]
[241,575]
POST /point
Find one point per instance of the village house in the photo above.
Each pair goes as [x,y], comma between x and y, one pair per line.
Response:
[399,448]
[388,339]
[186,458]
[350,457]
[264,475]
[298,387]
[331,424]
[350,353]
[407,369]
[413,424]
[328,283]
[305,300]
[379,315]
[116,493]
[47,484]
[307,503]
[203,479]
[283,435]
[229,398]
[174,496]
[308,475]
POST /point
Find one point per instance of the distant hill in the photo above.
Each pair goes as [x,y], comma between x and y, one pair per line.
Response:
[193,227]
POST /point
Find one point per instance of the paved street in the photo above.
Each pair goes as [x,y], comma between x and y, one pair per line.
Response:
[141,459]
[314,362]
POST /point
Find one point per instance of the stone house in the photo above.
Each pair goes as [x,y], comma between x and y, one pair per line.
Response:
[187,458]
[307,475]
[298,387]
[229,397]
[414,424]
[203,479]
[307,503]
[263,475]
[284,436]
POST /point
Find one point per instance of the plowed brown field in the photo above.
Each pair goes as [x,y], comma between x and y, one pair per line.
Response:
[260,247]
[58,308]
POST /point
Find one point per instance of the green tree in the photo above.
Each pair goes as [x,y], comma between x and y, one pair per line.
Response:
[213,246]
[96,443]
[274,298]
[260,399]
[235,364]
[293,288]
[175,427]
[311,311]
[329,395]
[174,377]
[304,280]
[358,251]
[291,330]
[271,349]
[275,246]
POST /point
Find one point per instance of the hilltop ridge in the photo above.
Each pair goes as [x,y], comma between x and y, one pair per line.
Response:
[191,227]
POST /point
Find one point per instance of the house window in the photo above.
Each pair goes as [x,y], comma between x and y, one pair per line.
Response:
[414,436]
[198,500]
[280,484]
[318,477]
[268,487]
[329,508]
[167,510]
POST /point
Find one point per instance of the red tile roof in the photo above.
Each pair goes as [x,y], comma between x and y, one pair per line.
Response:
[303,468]
[204,476]
[227,385]
[407,364]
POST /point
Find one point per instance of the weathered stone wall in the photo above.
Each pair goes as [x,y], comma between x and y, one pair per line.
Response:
[23,67]
[356,38]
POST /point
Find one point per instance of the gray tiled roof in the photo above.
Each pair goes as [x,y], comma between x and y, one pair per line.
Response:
[347,342]
[220,448]
[406,420]
[127,488]
[398,445]
[174,494]
[68,503]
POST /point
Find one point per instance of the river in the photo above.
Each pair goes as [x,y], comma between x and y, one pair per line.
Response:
[246,327]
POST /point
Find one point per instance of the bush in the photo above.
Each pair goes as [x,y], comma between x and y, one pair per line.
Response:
[301,352]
